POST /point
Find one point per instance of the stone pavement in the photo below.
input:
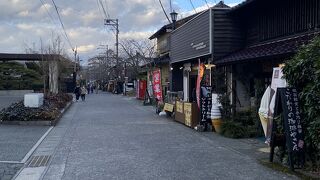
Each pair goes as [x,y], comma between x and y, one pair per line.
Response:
[8,170]
[16,144]
[115,137]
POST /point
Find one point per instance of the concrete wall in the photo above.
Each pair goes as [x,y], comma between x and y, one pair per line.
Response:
[14,92]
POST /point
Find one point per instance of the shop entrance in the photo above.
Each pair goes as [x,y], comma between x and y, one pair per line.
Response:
[192,88]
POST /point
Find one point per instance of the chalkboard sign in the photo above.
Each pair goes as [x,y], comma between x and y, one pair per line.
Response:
[287,103]
[205,103]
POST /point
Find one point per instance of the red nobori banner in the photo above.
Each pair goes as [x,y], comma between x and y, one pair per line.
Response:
[157,90]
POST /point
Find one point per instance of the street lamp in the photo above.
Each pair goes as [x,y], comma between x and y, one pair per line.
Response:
[174,16]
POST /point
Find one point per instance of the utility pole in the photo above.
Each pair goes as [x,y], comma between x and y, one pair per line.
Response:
[75,68]
[115,24]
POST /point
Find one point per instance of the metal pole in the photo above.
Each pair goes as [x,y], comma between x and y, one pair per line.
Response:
[117,40]
[75,68]
[75,60]
[125,79]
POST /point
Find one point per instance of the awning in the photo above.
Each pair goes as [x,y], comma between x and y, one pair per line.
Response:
[267,50]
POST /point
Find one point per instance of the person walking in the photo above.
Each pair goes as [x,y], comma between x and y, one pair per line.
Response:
[83,93]
[88,88]
[97,88]
[77,92]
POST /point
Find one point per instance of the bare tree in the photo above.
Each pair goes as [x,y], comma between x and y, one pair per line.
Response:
[54,46]
[137,53]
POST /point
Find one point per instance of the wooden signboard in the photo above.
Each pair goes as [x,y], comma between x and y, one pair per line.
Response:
[179,116]
[191,114]
[168,107]
[188,113]
[287,104]
[179,106]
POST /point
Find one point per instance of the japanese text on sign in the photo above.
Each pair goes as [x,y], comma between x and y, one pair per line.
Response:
[157,85]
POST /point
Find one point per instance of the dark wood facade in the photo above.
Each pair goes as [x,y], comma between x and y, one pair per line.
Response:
[226,32]
[272,32]
[265,20]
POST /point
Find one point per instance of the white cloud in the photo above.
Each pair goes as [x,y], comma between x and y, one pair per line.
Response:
[24,13]
[23,22]
[67,11]
[86,48]
[24,26]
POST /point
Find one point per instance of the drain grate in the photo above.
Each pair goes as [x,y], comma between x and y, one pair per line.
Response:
[38,161]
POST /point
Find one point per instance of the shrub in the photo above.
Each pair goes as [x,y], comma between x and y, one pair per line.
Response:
[233,129]
[303,73]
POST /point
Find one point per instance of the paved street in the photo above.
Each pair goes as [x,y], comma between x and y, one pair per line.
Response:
[114,137]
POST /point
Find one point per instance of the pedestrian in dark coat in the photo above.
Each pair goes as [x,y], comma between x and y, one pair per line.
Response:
[77,92]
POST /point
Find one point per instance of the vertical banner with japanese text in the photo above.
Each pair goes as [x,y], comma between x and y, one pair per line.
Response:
[157,90]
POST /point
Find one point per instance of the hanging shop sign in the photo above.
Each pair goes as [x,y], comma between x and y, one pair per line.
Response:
[157,89]
[287,103]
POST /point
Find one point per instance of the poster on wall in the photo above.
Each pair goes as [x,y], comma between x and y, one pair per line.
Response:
[157,89]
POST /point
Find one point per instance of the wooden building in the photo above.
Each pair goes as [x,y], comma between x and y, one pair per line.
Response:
[272,32]
[162,61]
[209,36]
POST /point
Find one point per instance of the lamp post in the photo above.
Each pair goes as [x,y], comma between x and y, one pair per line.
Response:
[174,16]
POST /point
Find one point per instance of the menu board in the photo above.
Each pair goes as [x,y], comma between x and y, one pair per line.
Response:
[179,106]
[168,107]
[188,113]
[205,103]
[287,102]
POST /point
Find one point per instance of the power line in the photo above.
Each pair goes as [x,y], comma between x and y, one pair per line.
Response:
[164,11]
[104,11]
[207,4]
[193,6]
[50,16]
[104,16]
[105,1]
[64,30]
[99,7]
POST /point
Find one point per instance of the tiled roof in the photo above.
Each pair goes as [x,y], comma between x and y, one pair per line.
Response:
[267,50]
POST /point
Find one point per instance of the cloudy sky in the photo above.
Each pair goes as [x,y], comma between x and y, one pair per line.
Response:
[24,22]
